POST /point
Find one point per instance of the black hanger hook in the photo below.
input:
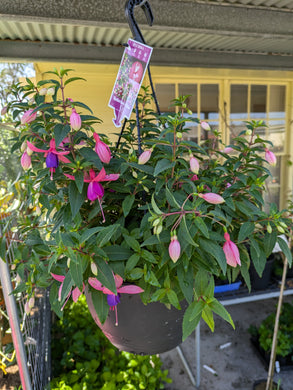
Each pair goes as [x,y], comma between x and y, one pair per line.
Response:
[129,13]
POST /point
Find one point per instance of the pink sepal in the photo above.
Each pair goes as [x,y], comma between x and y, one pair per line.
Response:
[132,289]
[95,283]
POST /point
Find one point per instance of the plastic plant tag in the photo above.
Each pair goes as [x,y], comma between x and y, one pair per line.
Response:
[129,78]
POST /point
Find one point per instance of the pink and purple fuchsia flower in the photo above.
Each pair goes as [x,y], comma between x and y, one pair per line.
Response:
[231,251]
[114,299]
[102,150]
[51,154]
[95,190]
[75,293]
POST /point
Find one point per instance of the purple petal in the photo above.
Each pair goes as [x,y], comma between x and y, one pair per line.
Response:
[113,300]
[52,160]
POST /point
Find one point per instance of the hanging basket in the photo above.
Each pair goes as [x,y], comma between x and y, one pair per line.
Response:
[142,329]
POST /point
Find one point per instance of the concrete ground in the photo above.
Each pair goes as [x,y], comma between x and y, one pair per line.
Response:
[237,365]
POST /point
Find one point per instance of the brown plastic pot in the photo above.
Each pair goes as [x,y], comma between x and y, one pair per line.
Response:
[142,329]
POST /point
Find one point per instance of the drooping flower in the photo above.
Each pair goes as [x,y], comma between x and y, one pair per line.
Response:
[51,154]
[102,150]
[228,150]
[212,198]
[194,164]
[75,120]
[25,160]
[231,251]
[144,157]
[270,157]
[95,189]
[75,293]
[50,91]
[43,91]
[112,298]
[174,249]
[205,125]
[28,117]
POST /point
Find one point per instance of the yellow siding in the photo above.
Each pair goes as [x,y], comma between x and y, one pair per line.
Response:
[96,91]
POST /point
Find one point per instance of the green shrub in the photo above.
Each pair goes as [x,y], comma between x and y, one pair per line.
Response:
[83,359]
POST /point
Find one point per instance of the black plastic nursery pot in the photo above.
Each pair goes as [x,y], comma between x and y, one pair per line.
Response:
[142,329]
[261,283]
[261,385]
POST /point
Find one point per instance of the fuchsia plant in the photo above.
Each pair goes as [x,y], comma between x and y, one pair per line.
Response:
[167,221]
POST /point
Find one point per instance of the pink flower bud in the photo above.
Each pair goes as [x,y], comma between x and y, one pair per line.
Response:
[94,268]
[145,156]
[102,150]
[51,91]
[231,251]
[25,161]
[28,117]
[4,110]
[194,165]
[228,150]
[194,178]
[174,249]
[27,309]
[270,157]
[205,125]
[29,151]
[212,198]
[75,120]
[43,91]
[31,302]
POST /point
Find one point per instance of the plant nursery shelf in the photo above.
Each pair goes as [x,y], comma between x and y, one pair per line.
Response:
[234,297]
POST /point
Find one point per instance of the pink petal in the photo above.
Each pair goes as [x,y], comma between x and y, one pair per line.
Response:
[35,149]
[118,280]
[76,294]
[69,176]
[111,177]
[63,159]
[100,176]
[96,284]
[132,289]
[60,278]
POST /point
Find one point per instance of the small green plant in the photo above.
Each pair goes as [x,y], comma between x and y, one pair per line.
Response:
[83,359]
[285,333]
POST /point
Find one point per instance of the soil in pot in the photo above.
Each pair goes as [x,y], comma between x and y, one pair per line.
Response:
[261,385]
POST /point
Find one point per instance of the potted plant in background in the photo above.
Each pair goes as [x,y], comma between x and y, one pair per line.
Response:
[144,229]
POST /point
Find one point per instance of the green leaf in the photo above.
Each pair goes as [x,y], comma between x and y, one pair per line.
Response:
[215,250]
[76,199]
[132,242]
[171,200]
[163,165]
[148,256]
[187,325]
[186,281]
[76,272]
[245,230]
[219,309]
[3,248]
[173,299]
[207,316]
[127,204]
[150,278]
[197,309]
[269,242]
[91,156]
[100,304]
[60,132]
[66,287]
[89,232]
[259,260]
[106,234]
[79,180]
[199,223]
[73,79]
[117,252]
[186,230]
[105,274]
[79,104]
[131,262]
[285,249]
[155,207]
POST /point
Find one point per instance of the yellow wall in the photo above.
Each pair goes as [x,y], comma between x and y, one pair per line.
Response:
[100,78]
[94,92]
